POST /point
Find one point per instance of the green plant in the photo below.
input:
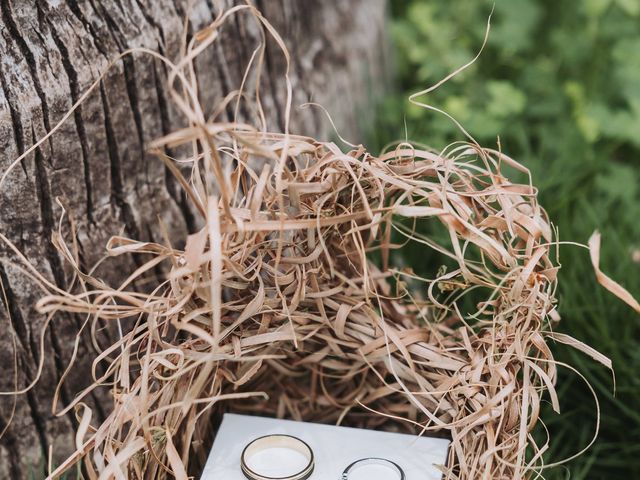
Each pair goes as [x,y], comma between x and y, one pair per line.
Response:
[559,84]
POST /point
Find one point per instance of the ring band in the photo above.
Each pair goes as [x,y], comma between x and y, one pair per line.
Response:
[372,461]
[277,441]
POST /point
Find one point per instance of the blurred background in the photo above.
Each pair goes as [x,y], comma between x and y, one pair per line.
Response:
[559,83]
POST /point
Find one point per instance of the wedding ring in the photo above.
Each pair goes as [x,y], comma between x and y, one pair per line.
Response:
[276,441]
[373,461]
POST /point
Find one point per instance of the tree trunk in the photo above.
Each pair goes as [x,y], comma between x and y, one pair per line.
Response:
[51,51]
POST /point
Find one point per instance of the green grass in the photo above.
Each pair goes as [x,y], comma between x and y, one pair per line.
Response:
[559,83]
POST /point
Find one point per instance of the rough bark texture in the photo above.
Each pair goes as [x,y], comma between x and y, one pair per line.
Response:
[50,52]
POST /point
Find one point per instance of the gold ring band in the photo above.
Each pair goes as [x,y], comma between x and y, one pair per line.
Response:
[277,441]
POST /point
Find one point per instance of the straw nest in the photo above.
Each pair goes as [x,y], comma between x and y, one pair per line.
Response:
[276,306]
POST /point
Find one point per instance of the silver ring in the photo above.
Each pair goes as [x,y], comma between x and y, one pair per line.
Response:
[372,461]
[277,441]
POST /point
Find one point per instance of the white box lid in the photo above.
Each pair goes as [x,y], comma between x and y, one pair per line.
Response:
[334,448]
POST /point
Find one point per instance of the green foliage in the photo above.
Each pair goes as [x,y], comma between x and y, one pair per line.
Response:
[559,84]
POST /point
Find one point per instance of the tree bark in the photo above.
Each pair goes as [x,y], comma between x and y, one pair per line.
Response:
[50,52]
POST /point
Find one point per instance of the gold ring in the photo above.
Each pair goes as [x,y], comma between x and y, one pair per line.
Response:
[277,441]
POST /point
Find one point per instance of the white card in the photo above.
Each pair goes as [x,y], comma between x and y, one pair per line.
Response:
[334,448]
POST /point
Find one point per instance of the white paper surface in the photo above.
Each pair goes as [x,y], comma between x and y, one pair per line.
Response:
[277,462]
[334,449]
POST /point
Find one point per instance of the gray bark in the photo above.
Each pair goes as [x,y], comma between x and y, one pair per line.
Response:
[50,52]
